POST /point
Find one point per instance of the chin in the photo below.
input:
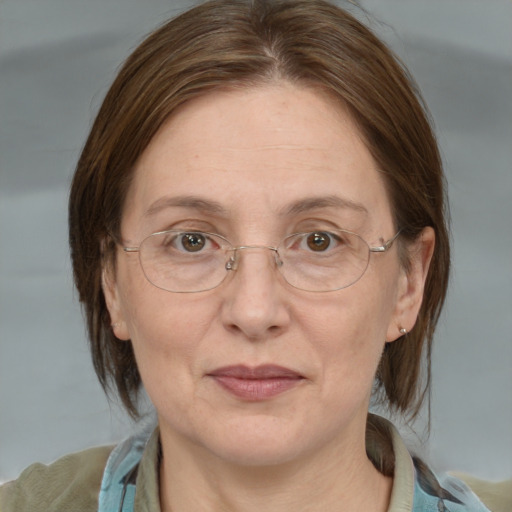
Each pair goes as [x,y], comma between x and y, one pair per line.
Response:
[260,443]
[257,455]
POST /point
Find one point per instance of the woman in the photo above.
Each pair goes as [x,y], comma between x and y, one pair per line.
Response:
[258,237]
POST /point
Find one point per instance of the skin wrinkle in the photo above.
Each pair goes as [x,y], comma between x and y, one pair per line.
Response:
[351,73]
[333,340]
[165,210]
[213,207]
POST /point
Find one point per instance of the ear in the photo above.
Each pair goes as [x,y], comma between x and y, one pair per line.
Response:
[412,284]
[112,299]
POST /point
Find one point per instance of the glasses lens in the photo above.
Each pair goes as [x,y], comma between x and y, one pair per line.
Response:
[179,261]
[194,261]
[322,261]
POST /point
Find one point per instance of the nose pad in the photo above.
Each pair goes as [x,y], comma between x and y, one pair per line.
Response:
[252,301]
[232,263]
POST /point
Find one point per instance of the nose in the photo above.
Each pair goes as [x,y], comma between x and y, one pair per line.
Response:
[254,302]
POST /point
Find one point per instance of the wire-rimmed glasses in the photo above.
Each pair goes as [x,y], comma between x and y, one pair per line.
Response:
[197,261]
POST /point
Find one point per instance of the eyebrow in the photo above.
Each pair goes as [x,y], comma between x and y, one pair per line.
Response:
[295,208]
[196,203]
[315,203]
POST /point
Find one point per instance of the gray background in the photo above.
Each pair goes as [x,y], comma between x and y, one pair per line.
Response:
[57,58]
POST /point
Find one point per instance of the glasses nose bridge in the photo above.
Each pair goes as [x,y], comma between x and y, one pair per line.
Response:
[232,263]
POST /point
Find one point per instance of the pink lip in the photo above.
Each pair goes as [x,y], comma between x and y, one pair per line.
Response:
[258,383]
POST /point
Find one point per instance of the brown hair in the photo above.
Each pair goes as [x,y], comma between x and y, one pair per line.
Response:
[242,43]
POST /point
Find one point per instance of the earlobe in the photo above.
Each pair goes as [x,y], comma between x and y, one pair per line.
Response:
[412,285]
[112,300]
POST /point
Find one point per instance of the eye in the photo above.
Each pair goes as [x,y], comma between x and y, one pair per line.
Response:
[185,242]
[192,242]
[318,241]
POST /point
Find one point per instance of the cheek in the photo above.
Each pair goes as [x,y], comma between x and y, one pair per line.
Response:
[168,327]
[168,339]
[350,347]
[352,325]
[165,329]
[348,335]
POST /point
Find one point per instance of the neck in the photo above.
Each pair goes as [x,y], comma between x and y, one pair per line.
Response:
[340,478]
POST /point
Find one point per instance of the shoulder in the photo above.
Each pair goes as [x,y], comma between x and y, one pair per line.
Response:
[460,492]
[416,487]
[496,495]
[70,483]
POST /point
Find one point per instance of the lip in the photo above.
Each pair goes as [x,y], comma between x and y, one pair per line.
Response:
[256,383]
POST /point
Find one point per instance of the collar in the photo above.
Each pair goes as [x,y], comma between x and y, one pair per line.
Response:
[131,480]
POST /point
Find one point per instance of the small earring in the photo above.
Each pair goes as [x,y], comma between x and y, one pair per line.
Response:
[115,324]
[402,330]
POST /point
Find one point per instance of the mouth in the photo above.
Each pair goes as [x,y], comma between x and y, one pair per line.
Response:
[256,383]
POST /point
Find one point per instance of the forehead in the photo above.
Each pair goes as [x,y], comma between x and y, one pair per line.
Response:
[272,118]
[248,150]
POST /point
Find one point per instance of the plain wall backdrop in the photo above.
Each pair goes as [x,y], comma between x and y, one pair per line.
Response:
[57,58]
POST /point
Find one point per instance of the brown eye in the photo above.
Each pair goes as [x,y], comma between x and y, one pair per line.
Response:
[193,242]
[318,241]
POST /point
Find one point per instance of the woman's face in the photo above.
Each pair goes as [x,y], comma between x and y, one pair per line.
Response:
[256,371]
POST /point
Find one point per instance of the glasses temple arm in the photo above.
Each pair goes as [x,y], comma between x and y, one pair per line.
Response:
[386,245]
